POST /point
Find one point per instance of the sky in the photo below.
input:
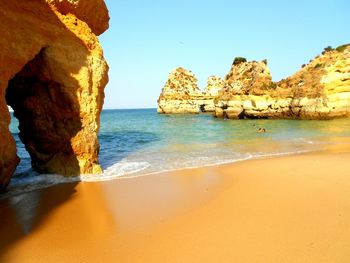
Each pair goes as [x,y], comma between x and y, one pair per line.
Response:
[148,39]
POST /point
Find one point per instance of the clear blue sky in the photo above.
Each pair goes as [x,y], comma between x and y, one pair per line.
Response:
[147,39]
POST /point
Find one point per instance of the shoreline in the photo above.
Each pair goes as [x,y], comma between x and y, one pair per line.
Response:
[97,178]
[288,209]
[341,145]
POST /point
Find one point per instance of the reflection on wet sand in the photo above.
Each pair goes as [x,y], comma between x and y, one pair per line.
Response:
[142,202]
[89,218]
[72,212]
[288,209]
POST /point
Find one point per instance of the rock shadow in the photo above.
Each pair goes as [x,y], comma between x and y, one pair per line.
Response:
[21,215]
[46,98]
[48,118]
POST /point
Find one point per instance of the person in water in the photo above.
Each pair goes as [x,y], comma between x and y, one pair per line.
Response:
[261,130]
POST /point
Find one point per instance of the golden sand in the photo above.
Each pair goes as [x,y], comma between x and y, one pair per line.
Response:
[288,209]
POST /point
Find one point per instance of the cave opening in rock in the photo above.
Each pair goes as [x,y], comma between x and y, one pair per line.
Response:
[242,115]
[47,117]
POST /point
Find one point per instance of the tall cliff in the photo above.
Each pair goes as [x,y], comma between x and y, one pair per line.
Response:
[53,74]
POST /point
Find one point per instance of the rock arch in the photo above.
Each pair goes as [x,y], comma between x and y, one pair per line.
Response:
[53,74]
[48,117]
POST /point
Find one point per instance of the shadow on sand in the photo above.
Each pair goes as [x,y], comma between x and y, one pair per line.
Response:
[23,214]
[48,110]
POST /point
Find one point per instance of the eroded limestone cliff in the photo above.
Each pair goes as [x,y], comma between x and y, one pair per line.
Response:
[214,85]
[246,84]
[53,74]
[181,93]
[319,90]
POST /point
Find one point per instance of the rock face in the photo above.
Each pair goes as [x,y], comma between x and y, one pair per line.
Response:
[53,75]
[320,90]
[181,94]
[214,85]
[94,13]
[247,84]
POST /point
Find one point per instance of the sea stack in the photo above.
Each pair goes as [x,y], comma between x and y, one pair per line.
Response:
[53,75]
[181,94]
[248,85]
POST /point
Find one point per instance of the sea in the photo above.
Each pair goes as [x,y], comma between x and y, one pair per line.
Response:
[138,142]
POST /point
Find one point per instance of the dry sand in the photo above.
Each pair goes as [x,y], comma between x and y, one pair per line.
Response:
[288,209]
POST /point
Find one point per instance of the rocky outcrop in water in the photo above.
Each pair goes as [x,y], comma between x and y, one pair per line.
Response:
[319,90]
[53,75]
[247,86]
[181,94]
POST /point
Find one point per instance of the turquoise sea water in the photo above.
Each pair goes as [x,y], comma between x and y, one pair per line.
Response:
[138,142]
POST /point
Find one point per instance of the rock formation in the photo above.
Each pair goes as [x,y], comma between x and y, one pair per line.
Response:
[53,75]
[181,94]
[320,90]
[214,85]
[247,86]
[94,13]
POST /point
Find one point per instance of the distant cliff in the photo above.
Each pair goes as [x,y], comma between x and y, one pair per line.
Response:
[319,90]
[246,84]
[181,94]
[53,74]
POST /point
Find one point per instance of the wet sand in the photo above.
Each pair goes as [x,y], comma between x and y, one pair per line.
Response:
[287,209]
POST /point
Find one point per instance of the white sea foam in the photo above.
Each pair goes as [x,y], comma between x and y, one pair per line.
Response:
[117,170]
[145,164]
[182,166]
[32,180]
[279,154]
[303,140]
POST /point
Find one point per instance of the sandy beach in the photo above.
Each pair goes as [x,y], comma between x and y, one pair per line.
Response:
[287,209]
[174,132]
